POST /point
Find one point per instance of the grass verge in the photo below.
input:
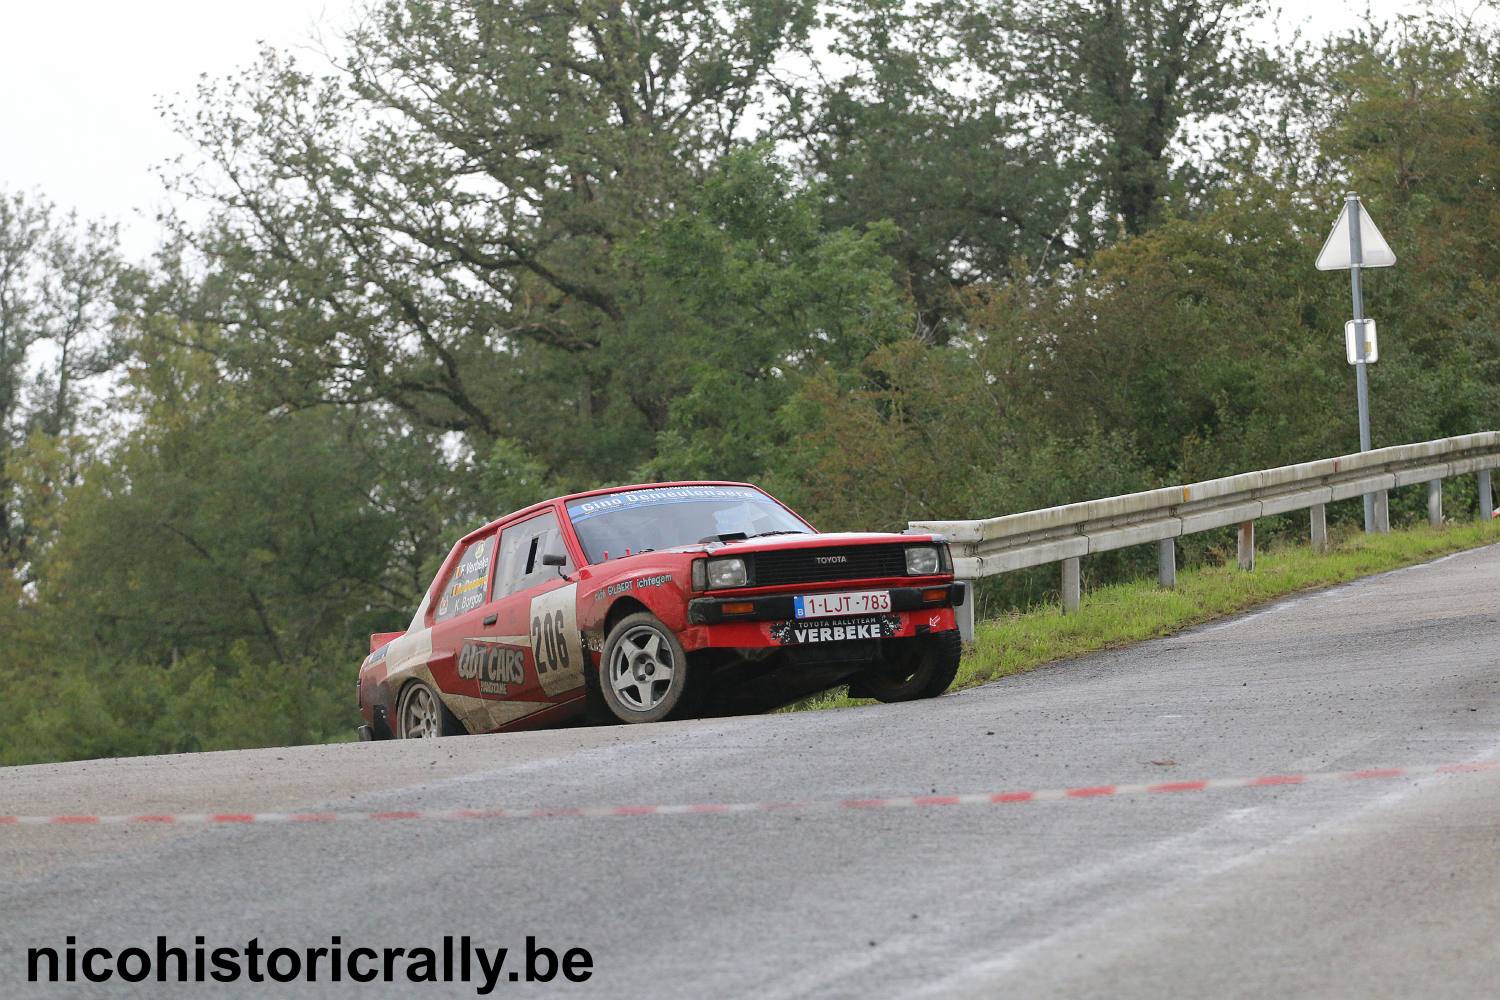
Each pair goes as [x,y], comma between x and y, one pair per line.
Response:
[1121,614]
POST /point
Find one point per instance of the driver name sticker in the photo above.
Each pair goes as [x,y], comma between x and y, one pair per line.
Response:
[556,645]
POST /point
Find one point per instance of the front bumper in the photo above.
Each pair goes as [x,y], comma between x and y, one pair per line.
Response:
[779,607]
[770,622]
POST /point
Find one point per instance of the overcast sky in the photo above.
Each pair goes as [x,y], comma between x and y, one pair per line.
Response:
[80,81]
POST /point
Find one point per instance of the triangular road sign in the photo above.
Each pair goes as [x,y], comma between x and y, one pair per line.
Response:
[1372,246]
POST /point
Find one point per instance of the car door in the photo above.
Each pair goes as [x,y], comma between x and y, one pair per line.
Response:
[494,655]
[457,614]
[534,601]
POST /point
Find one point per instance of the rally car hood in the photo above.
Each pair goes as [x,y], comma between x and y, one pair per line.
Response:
[772,543]
[815,541]
[639,562]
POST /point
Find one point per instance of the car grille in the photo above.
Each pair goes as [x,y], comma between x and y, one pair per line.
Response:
[859,562]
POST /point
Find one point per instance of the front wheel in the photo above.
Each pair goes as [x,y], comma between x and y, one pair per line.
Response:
[925,671]
[644,671]
[421,714]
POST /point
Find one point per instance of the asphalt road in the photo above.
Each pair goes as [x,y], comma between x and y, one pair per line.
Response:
[1375,888]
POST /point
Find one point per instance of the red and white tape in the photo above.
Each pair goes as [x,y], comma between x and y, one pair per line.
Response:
[715,808]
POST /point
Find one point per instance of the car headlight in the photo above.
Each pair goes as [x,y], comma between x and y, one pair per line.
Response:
[726,573]
[922,560]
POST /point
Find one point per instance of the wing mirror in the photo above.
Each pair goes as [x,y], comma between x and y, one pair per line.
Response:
[556,559]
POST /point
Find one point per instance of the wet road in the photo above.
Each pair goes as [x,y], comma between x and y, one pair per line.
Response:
[1369,888]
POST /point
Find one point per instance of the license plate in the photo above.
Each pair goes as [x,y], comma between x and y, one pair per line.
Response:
[858,602]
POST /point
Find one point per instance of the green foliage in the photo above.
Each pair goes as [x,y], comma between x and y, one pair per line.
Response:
[56,275]
[745,296]
[220,529]
[97,707]
[917,131]
[441,225]
[211,583]
[924,433]
[1117,83]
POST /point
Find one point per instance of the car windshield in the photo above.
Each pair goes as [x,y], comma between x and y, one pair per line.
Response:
[612,524]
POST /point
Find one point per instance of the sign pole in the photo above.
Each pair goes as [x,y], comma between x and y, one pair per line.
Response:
[1359,247]
[1361,375]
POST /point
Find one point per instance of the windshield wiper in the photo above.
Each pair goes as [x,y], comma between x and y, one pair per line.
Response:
[740,536]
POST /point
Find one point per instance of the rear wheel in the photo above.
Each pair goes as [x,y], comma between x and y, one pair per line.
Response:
[422,714]
[926,669]
[644,671]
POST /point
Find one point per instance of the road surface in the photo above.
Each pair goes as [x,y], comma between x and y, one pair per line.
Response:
[1388,887]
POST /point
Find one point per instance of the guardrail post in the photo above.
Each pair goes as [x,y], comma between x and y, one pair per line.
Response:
[1319,516]
[1486,501]
[1072,585]
[1435,503]
[966,611]
[1247,545]
[1382,511]
[1166,562]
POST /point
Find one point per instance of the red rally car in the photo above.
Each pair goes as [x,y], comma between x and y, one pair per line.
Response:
[647,602]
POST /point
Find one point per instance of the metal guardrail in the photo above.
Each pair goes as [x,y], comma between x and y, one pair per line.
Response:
[1065,534]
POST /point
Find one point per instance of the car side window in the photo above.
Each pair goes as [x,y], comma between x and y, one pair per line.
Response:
[464,590]
[522,547]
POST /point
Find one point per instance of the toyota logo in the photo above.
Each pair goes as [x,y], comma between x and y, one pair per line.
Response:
[826,560]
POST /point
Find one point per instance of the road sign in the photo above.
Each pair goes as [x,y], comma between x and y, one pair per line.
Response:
[1351,346]
[1355,244]
[1337,254]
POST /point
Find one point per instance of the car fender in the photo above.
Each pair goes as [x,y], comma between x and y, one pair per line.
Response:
[661,587]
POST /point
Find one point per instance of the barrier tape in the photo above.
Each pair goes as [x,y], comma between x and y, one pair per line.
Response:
[720,808]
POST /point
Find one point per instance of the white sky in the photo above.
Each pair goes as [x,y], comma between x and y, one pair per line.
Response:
[80,81]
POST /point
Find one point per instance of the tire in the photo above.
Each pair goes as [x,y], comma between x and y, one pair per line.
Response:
[926,672]
[644,673]
[421,714]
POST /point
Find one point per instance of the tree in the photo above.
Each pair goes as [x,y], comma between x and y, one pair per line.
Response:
[212,523]
[437,225]
[57,278]
[758,295]
[1122,85]
[212,578]
[906,134]
[1008,140]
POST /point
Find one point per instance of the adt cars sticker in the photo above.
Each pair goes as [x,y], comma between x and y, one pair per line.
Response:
[496,665]
[556,645]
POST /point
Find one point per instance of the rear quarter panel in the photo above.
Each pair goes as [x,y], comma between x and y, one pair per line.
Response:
[386,670]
